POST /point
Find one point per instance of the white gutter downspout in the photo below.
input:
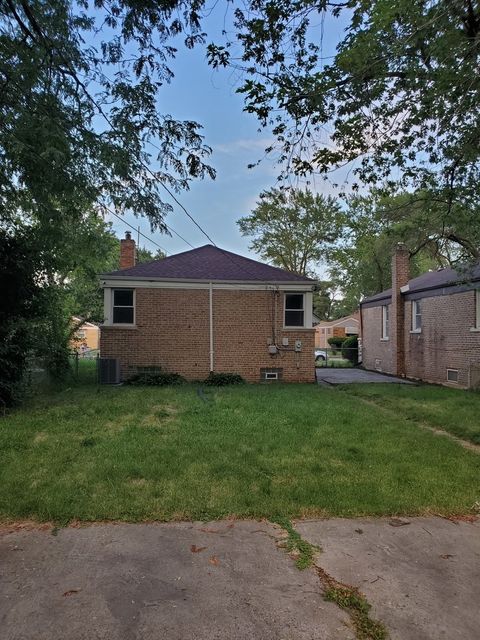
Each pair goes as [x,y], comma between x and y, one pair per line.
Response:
[210,296]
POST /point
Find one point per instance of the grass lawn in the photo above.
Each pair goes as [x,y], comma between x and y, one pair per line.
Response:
[139,453]
[454,410]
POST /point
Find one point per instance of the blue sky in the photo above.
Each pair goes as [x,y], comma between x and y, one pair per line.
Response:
[208,97]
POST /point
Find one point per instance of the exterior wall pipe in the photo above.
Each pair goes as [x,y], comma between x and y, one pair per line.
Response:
[210,296]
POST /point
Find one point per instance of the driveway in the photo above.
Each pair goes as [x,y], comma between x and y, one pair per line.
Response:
[232,580]
[327,375]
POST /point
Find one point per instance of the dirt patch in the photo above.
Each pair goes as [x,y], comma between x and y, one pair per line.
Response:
[25,525]
[466,444]
[159,415]
[471,446]
[137,482]
[114,427]
[120,422]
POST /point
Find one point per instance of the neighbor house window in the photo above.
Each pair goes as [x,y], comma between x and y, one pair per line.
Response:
[294,309]
[416,316]
[385,321]
[123,306]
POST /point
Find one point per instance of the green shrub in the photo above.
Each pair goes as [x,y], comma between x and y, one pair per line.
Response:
[223,379]
[336,341]
[350,349]
[155,378]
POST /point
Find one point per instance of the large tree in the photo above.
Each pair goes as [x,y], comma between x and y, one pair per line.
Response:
[361,264]
[82,132]
[80,85]
[399,99]
[293,228]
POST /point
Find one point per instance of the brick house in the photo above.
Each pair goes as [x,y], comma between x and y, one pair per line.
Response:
[426,328]
[208,310]
[86,336]
[343,327]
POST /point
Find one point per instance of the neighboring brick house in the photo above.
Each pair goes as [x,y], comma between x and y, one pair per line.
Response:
[425,328]
[346,326]
[86,335]
[208,310]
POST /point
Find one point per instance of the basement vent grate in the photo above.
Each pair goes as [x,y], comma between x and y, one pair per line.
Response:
[452,375]
[270,375]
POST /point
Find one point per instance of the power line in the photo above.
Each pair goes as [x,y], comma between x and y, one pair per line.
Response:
[175,199]
[181,237]
[81,84]
[135,229]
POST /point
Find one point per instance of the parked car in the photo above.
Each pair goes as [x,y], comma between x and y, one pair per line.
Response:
[320,355]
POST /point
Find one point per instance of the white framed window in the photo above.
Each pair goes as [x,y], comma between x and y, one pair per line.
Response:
[123,306]
[294,310]
[416,316]
[385,321]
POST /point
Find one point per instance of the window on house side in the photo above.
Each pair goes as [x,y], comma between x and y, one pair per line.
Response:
[294,310]
[385,321]
[123,306]
[416,316]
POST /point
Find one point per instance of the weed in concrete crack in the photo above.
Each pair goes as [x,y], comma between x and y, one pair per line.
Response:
[347,599]
[303,551]
[345,596]
[355,603]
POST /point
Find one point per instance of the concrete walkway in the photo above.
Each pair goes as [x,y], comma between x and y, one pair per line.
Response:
[354,376]
[231,580]
[421,575]
[224,580]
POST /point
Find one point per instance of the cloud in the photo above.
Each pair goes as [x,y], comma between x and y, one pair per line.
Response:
[244,144]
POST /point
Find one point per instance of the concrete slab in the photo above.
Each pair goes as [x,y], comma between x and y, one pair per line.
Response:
[354,376]
[422,578]
[225,580]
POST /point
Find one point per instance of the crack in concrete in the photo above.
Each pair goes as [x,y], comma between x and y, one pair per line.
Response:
[345,596]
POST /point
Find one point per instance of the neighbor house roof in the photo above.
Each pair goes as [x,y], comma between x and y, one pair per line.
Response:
[333,323]
[83,322]
[433,280]
[383,295]
[208,263]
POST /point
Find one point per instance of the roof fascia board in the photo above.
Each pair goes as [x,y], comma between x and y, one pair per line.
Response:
[433,292]
[203,284]
[378,302]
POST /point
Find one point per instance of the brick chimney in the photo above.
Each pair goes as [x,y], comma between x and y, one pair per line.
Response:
[127,251]
[400,278]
